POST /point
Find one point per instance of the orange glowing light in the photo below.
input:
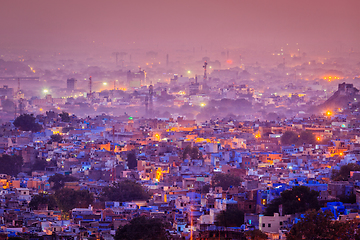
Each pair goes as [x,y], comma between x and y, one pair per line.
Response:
[318,138]
[229,61]
[328,113]
[341,154]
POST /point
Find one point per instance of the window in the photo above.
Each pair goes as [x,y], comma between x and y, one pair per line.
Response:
[269,225]
[249,206]
[263,224]
[281,223]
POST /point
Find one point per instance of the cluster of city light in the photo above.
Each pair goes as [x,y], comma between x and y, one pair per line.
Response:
[331,78]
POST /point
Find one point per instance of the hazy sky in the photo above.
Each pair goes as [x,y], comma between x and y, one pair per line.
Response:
[115,23]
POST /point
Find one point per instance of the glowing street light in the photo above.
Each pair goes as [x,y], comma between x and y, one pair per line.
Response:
[328,113]
[45,91]
[202,104]
[104,83]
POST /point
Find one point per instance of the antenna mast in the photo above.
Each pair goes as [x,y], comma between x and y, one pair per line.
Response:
[90,85]
[205,77]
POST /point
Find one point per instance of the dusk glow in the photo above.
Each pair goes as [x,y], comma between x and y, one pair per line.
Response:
[187,119]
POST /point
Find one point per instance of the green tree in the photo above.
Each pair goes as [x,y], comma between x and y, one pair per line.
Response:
[42,199]
[195,153]
[297,200]
[39,164]
[56,138]
[51,114]
[131,160]
[59,180]
[230,218]
[289,138]
[205,189]
[344,173]
[65,117]
[68,199]
[306,137]
[125,191]
[142,228]
[186,152]
[26,122]
[11,164]
[225,180]
[192,153]
[318,225]
[255,235]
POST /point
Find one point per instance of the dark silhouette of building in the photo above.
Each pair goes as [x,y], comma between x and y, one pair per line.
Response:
[7,92]
[71,84]
[136,79]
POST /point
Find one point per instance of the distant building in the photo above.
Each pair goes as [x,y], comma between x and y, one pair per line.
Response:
[70,84]
[6,92]
[347,89]
[136,79]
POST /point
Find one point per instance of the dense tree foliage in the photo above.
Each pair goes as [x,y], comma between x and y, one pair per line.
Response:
[319,225]
[59,180]
[344,173]
[205,189]
[125,191]
[39,164]
[26,122]
[11,164]
[255,235]
[192,153]
[142,228]
[56,138]
[68,199]
[65,117]
[131,160]
[290,137]
[43,199]
[225,180]
[230,218]
[297,200]
[51,114]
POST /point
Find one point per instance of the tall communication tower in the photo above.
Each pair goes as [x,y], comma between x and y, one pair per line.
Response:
[90,86]
[151,92]
[146,105]
[205,77]
[19,97]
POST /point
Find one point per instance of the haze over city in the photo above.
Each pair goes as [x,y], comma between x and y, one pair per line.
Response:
[189,119]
